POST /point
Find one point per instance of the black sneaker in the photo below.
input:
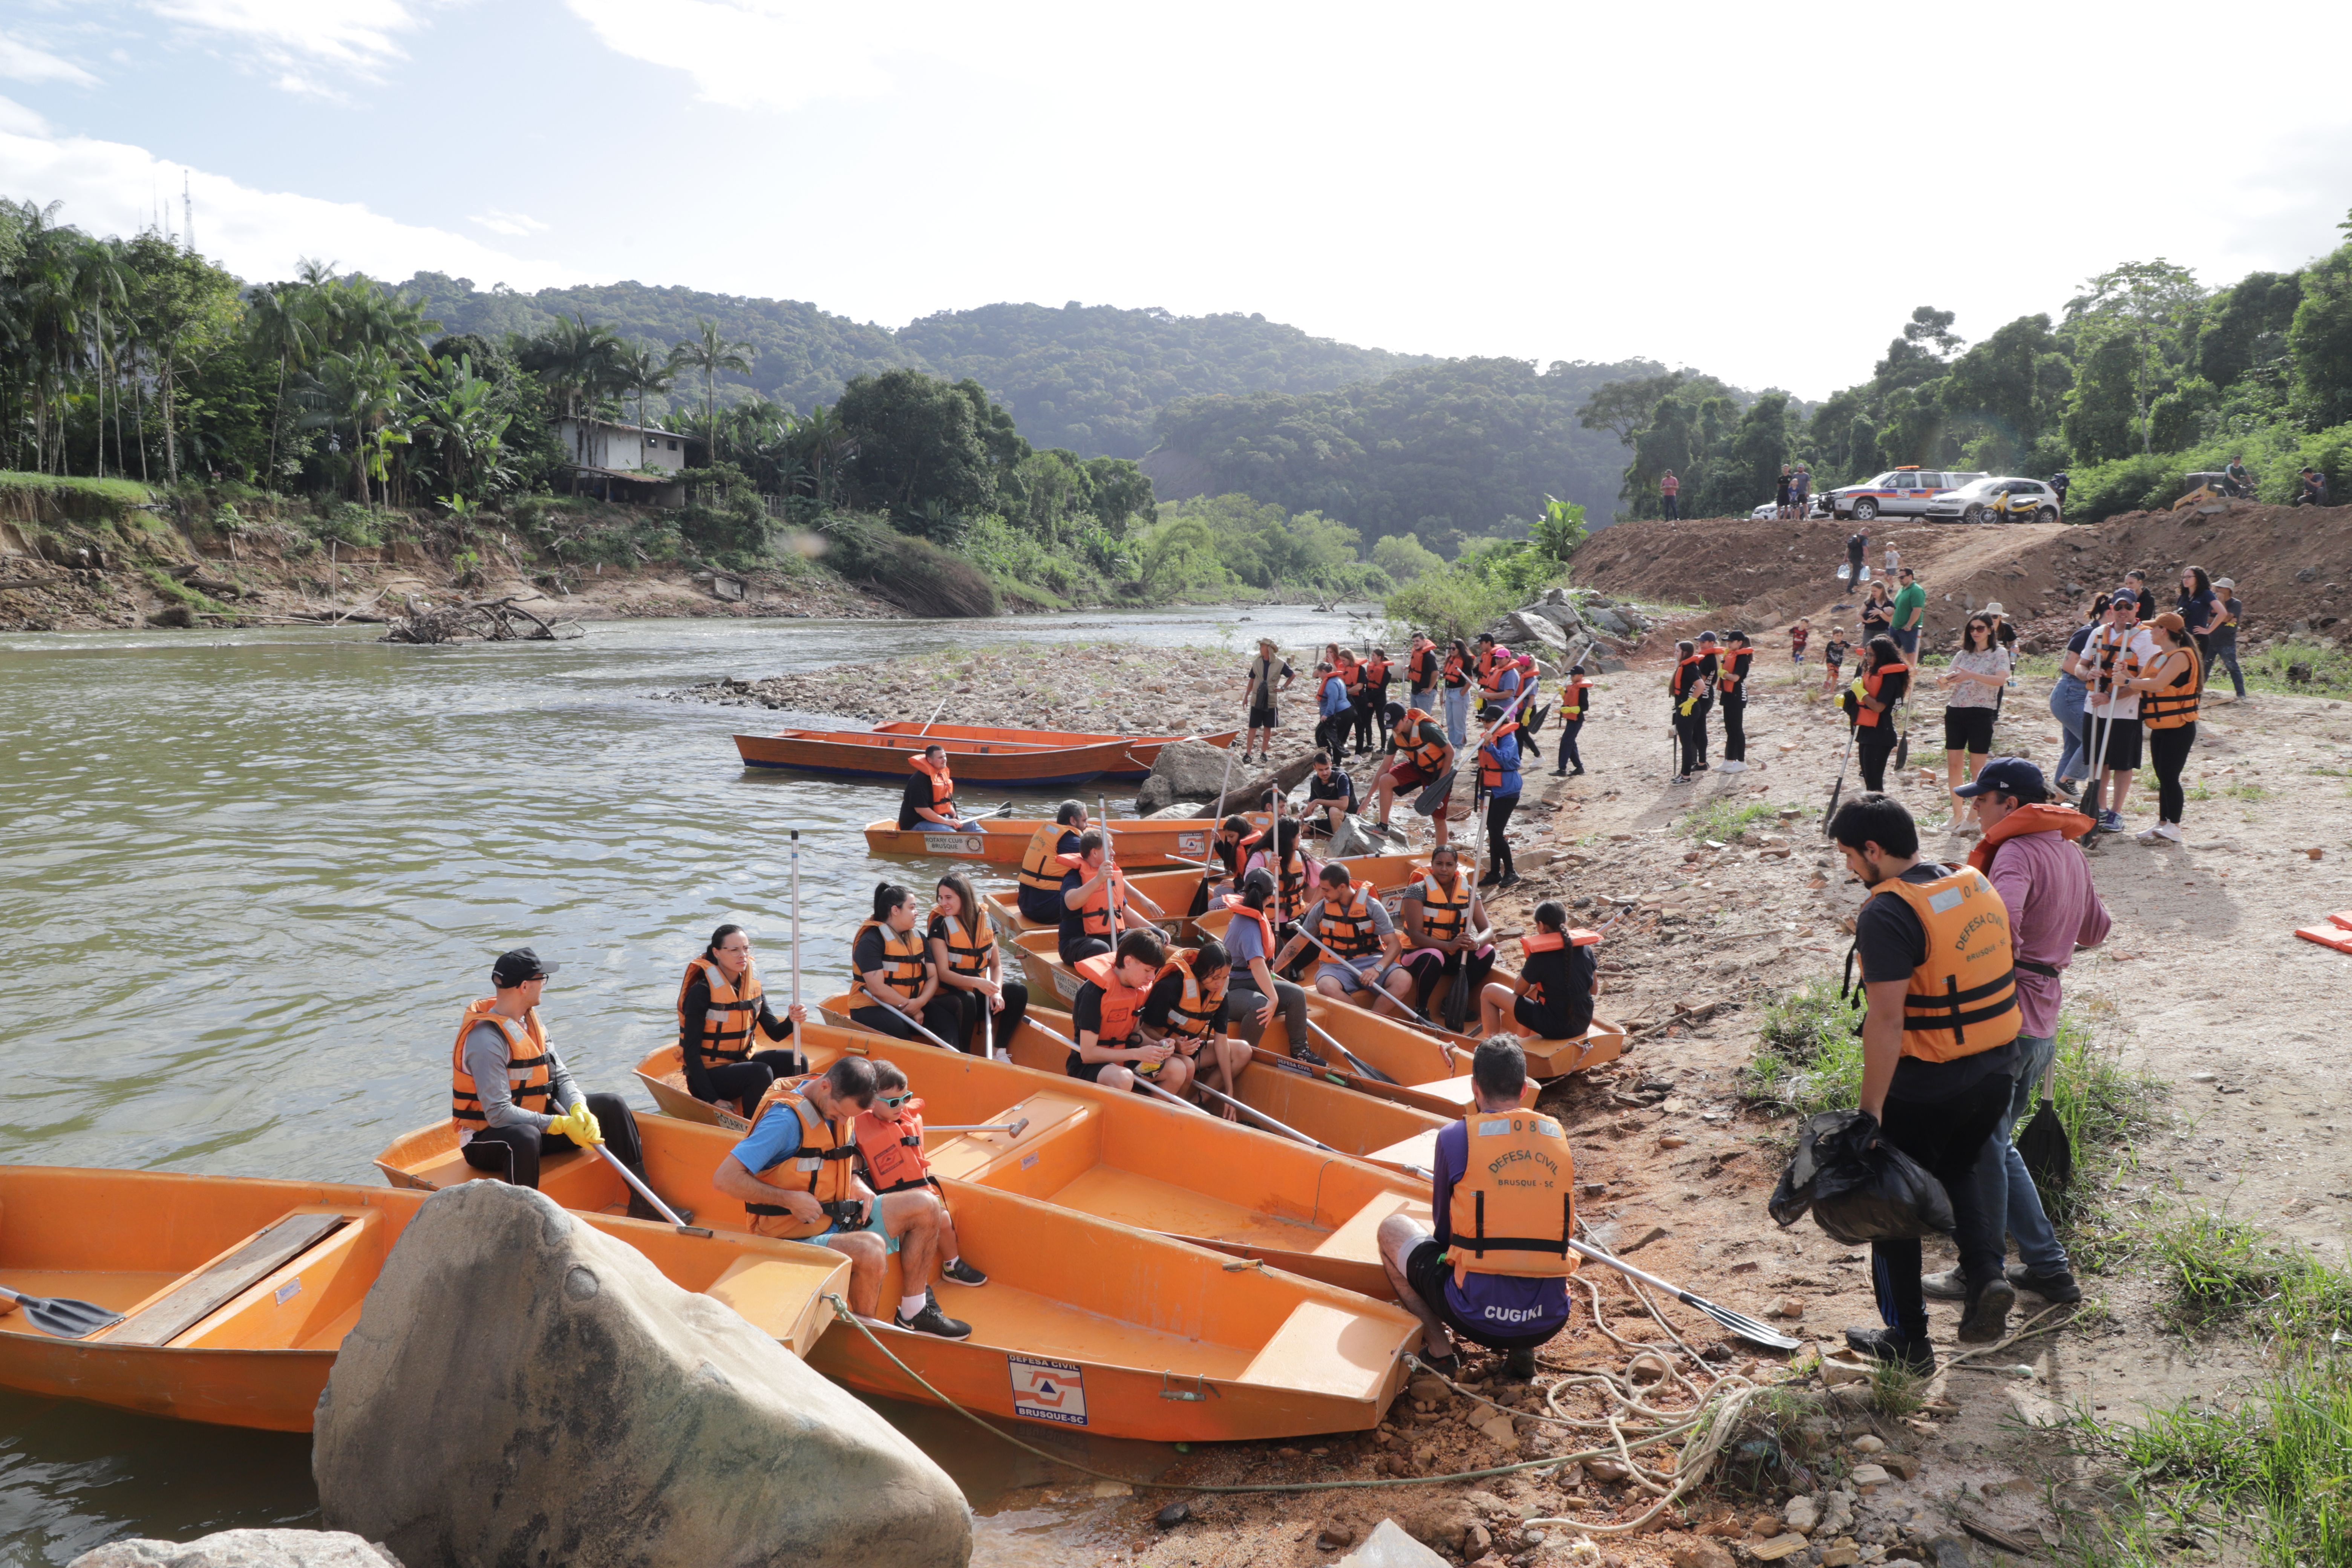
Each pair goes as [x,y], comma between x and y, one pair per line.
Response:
[1986,1317]
[932,1321]
[1894,1346]
[2057,1287]
[960,1272]
[1519,1365]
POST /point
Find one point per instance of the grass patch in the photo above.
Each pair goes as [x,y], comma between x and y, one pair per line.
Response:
[181,594]
[1726,821]
[2330,667]
[1809,1057]
[2248,791]
[120,493]
[2105,1108]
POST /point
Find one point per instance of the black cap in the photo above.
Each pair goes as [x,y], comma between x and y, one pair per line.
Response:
[1260,881]
[2007,776]
[1708,637]
[518,965]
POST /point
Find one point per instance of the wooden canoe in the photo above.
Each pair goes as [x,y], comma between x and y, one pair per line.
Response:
[1002,840]
[1084,1321]
[1142,1162]
[866,754]
[239,1292]
[1175,890]
[1144,750]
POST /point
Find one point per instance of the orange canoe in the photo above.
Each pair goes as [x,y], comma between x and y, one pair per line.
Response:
[1084,1322]
[868,754]
[239,1292]
[1176,890]
[1002,840]
[1143,748]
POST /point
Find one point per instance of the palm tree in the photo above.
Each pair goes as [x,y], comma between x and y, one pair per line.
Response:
[643,368]
[282,319]
[364,389]
[581,365]
[711,353]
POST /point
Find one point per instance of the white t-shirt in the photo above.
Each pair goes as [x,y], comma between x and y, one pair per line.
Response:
[2125,705]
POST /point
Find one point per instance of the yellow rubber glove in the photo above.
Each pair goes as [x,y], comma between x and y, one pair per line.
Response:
[579,1124]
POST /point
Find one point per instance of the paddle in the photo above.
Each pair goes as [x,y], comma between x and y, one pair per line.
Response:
[1343,963]
[63,1316]
[1362,1066]
[1210,866]
[796,917]
[1838,788]
[1011,1128]
[1256,1115]
[935,716]
[1740,1323]
[644,1191]
[2047,1150]
[1143,1082]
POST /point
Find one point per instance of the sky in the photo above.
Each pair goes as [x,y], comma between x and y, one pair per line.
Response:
[1762,192]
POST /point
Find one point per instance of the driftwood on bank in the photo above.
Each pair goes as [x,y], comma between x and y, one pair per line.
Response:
[491,620]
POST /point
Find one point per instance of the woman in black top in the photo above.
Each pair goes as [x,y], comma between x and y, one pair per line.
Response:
[955,936]
[1878,613]
[699,1033]
[894,911]
[1874,741]
[2199,609]
[1552,999]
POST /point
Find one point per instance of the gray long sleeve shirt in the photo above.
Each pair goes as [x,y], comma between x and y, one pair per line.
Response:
[485,1058]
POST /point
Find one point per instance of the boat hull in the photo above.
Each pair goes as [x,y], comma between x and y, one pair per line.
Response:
[1143,750]
[1002,841]
[864,754]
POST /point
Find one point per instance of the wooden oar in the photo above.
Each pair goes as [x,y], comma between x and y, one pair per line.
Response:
[1391,996]
[1740,1323]
[935,715]
[917,1024]
[63,1316]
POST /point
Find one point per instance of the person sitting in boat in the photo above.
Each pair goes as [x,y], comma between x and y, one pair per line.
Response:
[1113,1050]
[1559,977]
[1039,884]
[970,968]
[512,1099]
[1097,903]
[1446,929]
[1252,989]
[795,1172]
[1423,757]
[1188,1006]
[928,804]
[889,1134]
[1229,849]
[1357,945]
[892,979]
[1331,796]
[1277,854]
[720,1003]
[1494,1271]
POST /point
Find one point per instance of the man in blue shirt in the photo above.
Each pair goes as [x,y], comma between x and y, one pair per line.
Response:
[1519,1299]
[906,1222]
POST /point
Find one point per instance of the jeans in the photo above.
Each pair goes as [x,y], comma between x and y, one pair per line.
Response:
[1670,507]
[1951,1138]
[2226,653]
[927,825]
[2167,753]
[2066,706]
[1457,714]
[2003,1186]
[1568,753]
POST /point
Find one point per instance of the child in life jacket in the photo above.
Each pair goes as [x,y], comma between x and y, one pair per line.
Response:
[1559,977]
[889,1136]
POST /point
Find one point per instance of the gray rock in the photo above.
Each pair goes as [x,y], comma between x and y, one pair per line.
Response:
[1153,795]
[244,1549]
[522,1388]
[1191,770]
[1559,613]
[1609,620]
[1524,629]
[1389,1546]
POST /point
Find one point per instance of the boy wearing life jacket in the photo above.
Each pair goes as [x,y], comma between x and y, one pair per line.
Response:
[1097,903]
[928,804]
[1038,885]
[1495,1271]
[889,1134]
[1575,707]
[1358,946]
[795,1171]
[1114,1050]
[1424,756]
[1934,946]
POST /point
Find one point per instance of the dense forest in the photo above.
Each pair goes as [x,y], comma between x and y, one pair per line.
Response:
[1090,378]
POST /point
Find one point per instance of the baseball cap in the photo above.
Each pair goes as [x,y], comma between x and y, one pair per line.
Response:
[518,964]
[2225,581]
[1259,881]
[2127,600]
[1708,637]
[2007,776]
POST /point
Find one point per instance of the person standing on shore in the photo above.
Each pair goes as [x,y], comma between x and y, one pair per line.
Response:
[2118,651]
[2169,685]
[2135,584]
[1731,681]
[1834,654]
[2053,910]
[1799,635]
[1876,617]
[1424,756]
[2224,637]
[1335,711]
[1268,676]
[1458,674]
[1910,613]
[1575,704]
[1422,665]
[1979,671]
[1857,548]
[1683,694]
[1938,1035]
[1670,490]
[2067,700]
[2199,609]
[1500,780]
[1870,704]
[1368,693]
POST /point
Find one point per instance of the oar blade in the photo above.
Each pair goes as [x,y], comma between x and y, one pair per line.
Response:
[66,1319]
[1740,1323]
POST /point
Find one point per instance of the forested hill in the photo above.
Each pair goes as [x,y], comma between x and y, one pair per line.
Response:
[1092,378]
[1440,450]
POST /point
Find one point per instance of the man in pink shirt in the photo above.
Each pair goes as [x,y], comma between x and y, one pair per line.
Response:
[1670,490]
[2044,881]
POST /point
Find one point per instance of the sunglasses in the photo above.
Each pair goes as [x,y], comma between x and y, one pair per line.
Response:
[895,1100]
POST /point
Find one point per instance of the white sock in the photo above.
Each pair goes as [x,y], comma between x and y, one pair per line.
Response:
[910,1305]
[952,1262]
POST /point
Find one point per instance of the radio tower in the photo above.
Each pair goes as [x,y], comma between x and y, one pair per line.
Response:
[188,214]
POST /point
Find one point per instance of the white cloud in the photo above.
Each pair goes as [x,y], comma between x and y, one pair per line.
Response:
[303,40]
[20,62]
[516,224]
[258,234]
[16,119]
[760,54]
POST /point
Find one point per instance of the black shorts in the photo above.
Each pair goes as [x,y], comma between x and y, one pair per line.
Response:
[1077,1066]
[1426,1270]
[1968,730]
[1549,1022]
[1261,719]
[2123,744]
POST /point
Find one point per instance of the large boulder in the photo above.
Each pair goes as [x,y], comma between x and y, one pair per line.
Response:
[1525,628]
[244,1549]
[1558,608]
[1195,770]
[521,1388]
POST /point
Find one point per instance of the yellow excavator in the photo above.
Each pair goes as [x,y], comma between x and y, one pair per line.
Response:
[2206,489]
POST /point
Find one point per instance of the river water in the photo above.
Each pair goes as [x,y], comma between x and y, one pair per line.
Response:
[248,880]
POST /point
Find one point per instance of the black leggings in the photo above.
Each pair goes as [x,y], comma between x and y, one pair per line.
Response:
[743,1082]
[1734,730]
[2167,753]
[968,1004]
[1469,970]
[1872,746]
[1499,817]
[1568,753]
[1692,727]
[940,1016]
[1947,1136]
[513,1154]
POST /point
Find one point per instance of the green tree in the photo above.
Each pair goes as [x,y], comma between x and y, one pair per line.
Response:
[2154,307]
[918,442]
[710,351]
[1403,557]
[2320,338]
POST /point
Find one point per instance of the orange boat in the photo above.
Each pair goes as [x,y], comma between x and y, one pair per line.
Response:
[237,1293]
[1143,748]
[869,755]
[1174,891]
[1084,1321]
[1002,840]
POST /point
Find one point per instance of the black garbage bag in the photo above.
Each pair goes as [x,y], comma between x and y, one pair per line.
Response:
[1856,1190]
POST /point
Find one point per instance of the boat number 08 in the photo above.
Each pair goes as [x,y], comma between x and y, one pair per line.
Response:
[1048,1390]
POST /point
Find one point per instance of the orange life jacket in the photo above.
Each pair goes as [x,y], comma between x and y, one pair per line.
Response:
[1424,669]
[1490,766]
[893,1151]
[942,785]
[1427,755]
[1242,910]
[1871,682]
[902,960]
[1122,1004]
[819,1167]
[1571,700]
[1513,1209]
[1038,859]
[1376,673]
[1685,679]
[723,1033]
[1734,669]
[1963,999]
[2037,817]
[969,949]
[1541,941]
[1442,918]
[2176,705]
[2113,661]
[1348,930]
[1197,1009]
[531,1084]
[1099,914]
[1454,678]
[1491,666]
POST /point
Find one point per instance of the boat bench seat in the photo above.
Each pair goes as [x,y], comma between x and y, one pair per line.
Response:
[1359,1236]
[450,1169]
[1000,1159]
[1327,1348]
[195,1296]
